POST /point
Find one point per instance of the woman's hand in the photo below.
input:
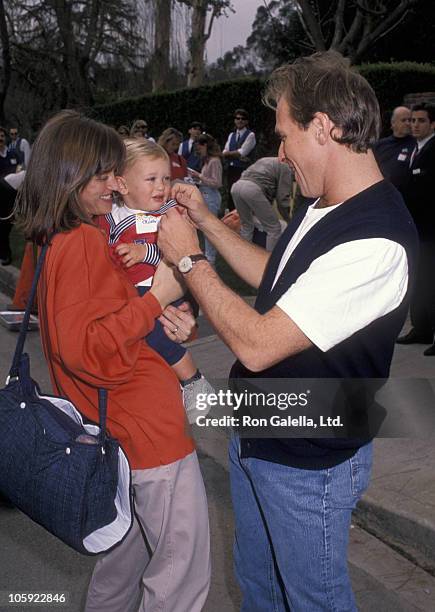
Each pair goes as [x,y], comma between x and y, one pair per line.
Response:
[194,173]
[167,286]
[131,254]
[178,322]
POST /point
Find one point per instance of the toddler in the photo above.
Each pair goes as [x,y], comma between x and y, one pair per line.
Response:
[131,230]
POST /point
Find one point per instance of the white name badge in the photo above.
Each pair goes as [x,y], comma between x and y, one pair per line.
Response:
[401,157]
[416,171]
[146,224]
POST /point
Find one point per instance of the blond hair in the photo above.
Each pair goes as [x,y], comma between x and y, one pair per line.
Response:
[138,148]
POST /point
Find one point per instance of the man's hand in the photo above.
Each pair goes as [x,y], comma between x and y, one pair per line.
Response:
[177,236]
[167,286]
[190,198]
[131,254]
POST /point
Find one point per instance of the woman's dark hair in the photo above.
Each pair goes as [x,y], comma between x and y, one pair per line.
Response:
[324,83]
[68,152]
[213,149]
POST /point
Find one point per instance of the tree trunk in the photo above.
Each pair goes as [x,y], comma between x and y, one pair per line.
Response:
[6,56]
[75,80]
[162,45]
[197,41]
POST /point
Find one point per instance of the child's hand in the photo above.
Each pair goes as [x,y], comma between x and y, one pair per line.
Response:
[131,254]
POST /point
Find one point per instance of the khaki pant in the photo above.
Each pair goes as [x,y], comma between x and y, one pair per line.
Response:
[250,201]
[164,562]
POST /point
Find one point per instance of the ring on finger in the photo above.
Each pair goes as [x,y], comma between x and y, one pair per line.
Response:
[176,329]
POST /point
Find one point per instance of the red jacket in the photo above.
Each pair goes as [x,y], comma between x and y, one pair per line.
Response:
[92,327]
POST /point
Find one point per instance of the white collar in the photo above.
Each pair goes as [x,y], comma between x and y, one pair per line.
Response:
[423,141]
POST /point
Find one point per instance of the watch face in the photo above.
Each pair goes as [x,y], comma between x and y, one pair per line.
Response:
[185,264]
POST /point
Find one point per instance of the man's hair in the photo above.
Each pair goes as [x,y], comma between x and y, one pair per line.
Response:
[68,152]
[425,106]
[324,83]
[138,148]
[242,112]
[196,124]
[140,124]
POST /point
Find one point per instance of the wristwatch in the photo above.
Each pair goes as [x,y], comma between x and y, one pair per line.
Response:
[187,262]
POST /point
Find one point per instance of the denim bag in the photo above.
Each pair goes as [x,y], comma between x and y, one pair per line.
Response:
[69,476]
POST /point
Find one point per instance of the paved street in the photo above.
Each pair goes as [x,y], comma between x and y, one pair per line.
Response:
[399,505]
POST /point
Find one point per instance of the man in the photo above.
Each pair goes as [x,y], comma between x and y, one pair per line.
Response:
[187,148]
[394,152]
[419,194]
[263,182]
[19,148]
[139,129]
[8,160]
[9,186]
[332,298]
[239,146]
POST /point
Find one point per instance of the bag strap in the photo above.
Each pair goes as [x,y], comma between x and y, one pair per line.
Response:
[13,372]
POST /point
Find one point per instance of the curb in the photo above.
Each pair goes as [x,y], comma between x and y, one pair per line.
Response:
[411,535]
[8,279]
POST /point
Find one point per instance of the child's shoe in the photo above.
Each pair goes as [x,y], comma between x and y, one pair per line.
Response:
[197,385]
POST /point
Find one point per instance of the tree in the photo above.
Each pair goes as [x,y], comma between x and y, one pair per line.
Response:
[6,57]
[351,27]
[162,37]
[200,33]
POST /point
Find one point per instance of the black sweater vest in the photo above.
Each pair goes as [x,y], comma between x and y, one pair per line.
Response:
[377,212]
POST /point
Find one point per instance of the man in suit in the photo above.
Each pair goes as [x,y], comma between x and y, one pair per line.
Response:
[393,153]
[239,146]
[419,194]
[188,149]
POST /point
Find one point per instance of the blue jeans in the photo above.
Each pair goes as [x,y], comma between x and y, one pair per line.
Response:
[292,532]
[213,199]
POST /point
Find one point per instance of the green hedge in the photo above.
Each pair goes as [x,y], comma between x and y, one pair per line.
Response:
[392,82]
[214,104]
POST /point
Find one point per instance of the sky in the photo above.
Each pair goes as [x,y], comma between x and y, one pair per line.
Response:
[233,30]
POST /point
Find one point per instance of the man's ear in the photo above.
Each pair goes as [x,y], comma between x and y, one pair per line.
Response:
[122,185]
[323,127]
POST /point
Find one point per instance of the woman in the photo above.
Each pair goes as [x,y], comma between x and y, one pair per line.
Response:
[210,181]
[92,324]
[139,129]
[170,140]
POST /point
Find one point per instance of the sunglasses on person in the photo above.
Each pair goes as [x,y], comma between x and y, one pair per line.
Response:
[238,118]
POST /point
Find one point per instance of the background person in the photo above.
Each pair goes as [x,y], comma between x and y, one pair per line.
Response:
[188,149]
[9,186]
[419,195]
[20,147]
[92,326]
[139,129]
[253,194]
[239,146]
[393,153]
[210,181]
[9,161]
[170,139]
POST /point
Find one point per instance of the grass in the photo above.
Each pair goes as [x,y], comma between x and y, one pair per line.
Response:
[225,272]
